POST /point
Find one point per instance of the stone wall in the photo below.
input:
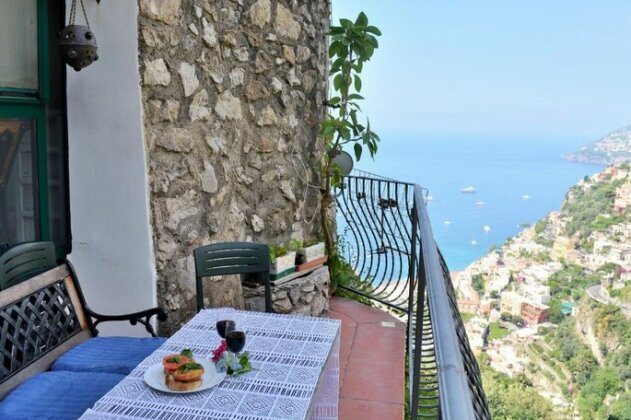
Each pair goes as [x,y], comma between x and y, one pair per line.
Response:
[232,93]
[308,295]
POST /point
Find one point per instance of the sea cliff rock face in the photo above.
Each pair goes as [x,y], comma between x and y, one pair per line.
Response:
[614,148]
[232,95]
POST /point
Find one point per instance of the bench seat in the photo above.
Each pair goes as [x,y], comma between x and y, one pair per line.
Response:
[107,354]
[57,395]
[45,324]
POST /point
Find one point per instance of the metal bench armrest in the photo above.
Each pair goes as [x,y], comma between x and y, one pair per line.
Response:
[142,317]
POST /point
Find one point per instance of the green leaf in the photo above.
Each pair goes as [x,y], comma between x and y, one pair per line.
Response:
[337,64]
[188,353]
[369,51]
[354,97]
[355,105]
[358,84]
[336,175]
[360,51]
[362,19]
[346,23]
[373,30]
[244,359]
[358,151]
[338,80]
[353,115]
[337,30]
[327,131]
[332,50]
[341,50]
[189,366]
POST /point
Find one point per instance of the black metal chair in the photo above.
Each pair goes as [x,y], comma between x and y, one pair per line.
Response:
[232,258]
[23,261]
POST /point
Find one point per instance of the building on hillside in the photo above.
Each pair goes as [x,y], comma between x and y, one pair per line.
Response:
[536,292]
[486,306]
[469,305]
[534,313]
[495,315]
[602,245]
[567,308]
[562,245]
[623,198]
[511,302]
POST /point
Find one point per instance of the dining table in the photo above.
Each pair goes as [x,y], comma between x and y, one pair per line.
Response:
[295,376]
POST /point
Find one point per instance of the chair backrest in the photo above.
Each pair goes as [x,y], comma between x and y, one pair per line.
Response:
[228,258]
[40,319]
[26,260]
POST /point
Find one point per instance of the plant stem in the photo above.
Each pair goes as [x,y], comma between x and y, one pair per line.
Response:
[325,203]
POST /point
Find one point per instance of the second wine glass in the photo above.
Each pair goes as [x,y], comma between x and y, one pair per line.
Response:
[235,337]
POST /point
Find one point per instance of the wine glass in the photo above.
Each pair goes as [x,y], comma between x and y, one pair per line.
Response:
[235,337]
[225,319]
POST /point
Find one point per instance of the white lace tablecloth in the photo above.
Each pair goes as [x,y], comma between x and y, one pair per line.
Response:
[297,374]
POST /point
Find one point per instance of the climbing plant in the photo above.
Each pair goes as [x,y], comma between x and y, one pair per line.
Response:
[351,45]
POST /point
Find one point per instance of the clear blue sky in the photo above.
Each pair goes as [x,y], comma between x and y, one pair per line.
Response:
[543,68]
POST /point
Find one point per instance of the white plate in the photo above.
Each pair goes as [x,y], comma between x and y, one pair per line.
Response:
[154,377]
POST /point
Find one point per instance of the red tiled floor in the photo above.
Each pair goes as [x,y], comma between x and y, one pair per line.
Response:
[372,362]
[362,409]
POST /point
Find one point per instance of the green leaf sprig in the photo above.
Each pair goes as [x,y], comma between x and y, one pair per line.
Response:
[352,44]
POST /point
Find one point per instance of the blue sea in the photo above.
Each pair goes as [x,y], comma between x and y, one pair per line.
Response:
[519,180]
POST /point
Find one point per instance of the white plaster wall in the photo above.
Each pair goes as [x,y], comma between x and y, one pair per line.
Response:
[112,248]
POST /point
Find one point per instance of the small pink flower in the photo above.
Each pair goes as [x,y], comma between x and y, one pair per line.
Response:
[219,351]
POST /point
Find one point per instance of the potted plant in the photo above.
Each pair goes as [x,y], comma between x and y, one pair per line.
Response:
[310,254]
[282,261]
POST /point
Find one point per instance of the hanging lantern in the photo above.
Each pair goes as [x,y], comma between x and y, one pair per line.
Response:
[77,43]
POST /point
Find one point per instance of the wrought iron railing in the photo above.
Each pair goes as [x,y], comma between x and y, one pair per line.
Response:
[386,236]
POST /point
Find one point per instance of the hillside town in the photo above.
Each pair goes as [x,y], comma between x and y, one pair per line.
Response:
[547,276]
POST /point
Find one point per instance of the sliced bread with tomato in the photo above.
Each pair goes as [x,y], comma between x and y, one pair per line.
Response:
[187,377]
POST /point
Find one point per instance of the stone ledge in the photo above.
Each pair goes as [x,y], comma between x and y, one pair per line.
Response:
[307,295]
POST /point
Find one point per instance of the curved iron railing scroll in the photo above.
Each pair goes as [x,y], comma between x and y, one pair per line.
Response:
[386,236]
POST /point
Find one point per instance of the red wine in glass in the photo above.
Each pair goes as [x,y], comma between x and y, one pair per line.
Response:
[235,340]
[224,325]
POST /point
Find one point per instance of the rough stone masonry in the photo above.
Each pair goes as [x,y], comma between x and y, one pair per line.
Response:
[232,96]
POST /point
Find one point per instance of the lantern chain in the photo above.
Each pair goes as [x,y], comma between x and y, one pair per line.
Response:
[73,12]
[85,15]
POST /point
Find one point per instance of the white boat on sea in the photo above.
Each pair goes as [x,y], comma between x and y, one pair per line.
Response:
[429,198]
[469,190]
[473,241]
[486,228]
[479,203]
[447,222]
[525,197]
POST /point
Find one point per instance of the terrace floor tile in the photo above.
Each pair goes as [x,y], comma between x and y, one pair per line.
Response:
[372,362]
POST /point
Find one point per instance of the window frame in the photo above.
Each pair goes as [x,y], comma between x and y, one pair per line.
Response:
[42,93]
[31,104]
